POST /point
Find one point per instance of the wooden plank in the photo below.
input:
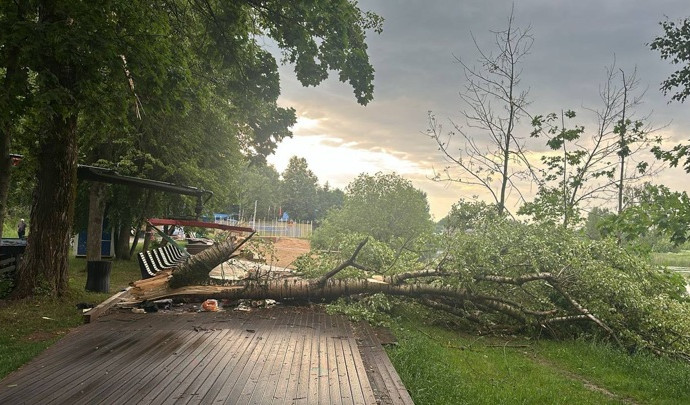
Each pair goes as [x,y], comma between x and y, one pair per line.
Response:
[366,348]
[242,395]
[231,348]
[295,356]
[196,369]
[347,385]
[112,381]
[230,374]
[292,362]
[92,314]
[184,374]
[289,362]
[74,345]
[147,377]
[268,379]
[383,371]
[323,370]
[299,391]
[356,375]
[68,371]
[360,372]
[230,391]
[161,387]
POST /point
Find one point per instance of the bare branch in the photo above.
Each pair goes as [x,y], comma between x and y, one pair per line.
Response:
[347,263]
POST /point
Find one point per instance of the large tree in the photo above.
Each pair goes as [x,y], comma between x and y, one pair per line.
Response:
[502,277]
[386,207]
[299,190]
[592,167]
[59,55]
[488,150]
[259,185]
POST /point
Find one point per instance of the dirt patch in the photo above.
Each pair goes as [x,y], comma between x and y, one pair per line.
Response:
[287,250]
[40,336]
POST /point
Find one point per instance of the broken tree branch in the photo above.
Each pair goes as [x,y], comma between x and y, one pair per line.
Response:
[349,262]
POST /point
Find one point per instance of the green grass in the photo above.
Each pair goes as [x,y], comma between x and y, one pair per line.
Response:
[443,367]
[677,259]
[642,376]
[29,326]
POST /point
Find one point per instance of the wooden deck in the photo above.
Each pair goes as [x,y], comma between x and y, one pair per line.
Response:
[267,356]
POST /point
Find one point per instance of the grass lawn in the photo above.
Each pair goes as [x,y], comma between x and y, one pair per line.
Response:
[675,259]
[439,366]
[30,326]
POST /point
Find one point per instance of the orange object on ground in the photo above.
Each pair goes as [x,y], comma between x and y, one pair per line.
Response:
[210,305]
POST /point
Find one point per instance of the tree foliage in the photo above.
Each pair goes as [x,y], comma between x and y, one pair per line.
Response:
[386,207]
[299,190]
[591,167]
[673,46]
[175,81]
[653,210]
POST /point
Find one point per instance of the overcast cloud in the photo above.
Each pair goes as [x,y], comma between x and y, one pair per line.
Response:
[416,72]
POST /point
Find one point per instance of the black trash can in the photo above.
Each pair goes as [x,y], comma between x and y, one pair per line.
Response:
[98,275]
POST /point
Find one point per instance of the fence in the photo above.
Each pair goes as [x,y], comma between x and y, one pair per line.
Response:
[276,228]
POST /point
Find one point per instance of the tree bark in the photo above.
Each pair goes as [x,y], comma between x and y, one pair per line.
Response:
[122,248]
[195,269]
[97,194]
[45,263]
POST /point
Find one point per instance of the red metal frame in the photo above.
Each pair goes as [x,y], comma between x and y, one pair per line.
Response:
[201,224]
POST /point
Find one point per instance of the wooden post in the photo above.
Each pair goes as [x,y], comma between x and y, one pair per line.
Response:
[147,238]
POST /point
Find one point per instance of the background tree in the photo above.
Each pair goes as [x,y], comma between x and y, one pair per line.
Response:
[595,168]
[490,153]
[673,46]
[299,190]
[328,198]
[653,211]
[260,183]
[386,207]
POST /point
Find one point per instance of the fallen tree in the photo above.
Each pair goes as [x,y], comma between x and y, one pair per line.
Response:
[523,280]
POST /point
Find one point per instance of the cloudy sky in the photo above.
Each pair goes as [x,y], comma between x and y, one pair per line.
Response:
[417,72]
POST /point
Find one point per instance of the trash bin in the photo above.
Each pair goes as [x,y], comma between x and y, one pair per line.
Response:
[98,275]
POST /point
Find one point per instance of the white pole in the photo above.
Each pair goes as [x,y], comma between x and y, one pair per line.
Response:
[254,216]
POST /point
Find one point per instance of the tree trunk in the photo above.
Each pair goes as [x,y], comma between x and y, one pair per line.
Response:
[97,194]
[122,251]
[195,270]
[292,289]
[45,263]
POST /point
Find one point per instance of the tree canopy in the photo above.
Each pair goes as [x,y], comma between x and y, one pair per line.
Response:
[673,46]
[385,206]
[169,89]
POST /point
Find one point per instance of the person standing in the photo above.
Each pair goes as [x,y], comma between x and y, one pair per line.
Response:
[21,228]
